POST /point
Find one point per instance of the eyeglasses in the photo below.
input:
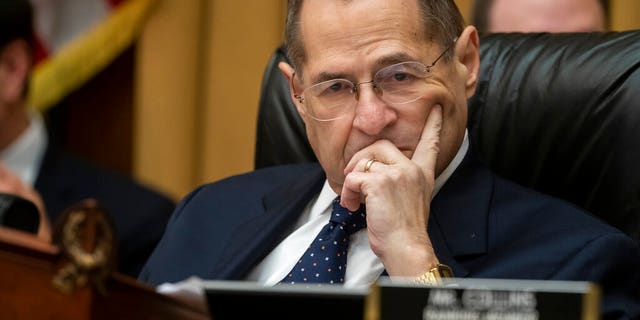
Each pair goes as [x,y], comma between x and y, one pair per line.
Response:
[397,84]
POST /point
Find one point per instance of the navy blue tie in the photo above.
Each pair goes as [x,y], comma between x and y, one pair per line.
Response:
[325,261]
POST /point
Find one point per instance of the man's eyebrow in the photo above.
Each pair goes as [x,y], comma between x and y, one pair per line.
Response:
[393,59]
[325,76]
[381,62]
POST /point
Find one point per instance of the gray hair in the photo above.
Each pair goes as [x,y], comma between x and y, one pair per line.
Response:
[442,22]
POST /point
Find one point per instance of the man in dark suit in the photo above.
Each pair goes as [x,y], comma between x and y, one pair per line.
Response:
[32,166]
[382,88]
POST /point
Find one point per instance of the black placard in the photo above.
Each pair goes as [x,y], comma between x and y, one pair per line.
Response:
[18,213]
[483,299]
[245,300]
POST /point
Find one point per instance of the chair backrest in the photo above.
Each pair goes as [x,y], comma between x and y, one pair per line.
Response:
[559,113]
[281,136]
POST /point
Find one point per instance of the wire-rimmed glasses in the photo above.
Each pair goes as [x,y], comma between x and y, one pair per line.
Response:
[397,84]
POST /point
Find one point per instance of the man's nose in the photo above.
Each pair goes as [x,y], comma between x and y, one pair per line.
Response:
[372,114]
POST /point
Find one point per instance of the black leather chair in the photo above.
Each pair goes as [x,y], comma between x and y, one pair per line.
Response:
[559,113]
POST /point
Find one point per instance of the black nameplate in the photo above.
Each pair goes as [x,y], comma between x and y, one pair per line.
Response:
[18,213]
[229,300]
[480,299]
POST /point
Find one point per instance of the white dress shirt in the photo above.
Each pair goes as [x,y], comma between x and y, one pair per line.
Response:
[24,155]
[363,266]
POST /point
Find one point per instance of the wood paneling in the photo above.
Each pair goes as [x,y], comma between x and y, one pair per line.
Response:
[625,14]
[240,39]
[167,100]
[200,65]
[465,7]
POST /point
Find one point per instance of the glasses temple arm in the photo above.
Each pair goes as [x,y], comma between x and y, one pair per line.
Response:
[442,54]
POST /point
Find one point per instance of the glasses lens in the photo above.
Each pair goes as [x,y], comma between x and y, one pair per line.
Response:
[402,82]
[399,83]
[330,99]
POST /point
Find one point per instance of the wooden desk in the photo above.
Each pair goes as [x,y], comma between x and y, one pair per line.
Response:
[29,266]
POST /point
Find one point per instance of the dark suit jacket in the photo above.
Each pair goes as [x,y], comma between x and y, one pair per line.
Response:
[480,225]
[138,213]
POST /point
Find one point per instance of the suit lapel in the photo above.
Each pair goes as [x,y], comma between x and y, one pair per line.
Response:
[459,215]
[260,233]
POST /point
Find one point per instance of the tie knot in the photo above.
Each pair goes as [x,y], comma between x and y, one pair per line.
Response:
[350,222]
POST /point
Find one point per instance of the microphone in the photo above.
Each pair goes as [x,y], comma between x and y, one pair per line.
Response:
[18,213]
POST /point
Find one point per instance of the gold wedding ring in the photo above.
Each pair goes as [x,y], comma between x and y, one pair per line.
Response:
[368,165]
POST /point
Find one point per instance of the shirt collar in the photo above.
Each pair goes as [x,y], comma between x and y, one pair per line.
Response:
[453,165]
[24,155]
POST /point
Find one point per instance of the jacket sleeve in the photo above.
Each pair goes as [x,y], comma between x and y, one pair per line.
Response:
[613,262]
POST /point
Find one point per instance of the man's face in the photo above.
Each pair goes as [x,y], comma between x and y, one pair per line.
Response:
[355,39]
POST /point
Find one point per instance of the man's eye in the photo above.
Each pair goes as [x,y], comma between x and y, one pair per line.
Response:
[339,87]
[401,76]
[336,87]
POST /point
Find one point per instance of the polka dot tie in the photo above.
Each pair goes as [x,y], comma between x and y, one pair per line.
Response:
[325,261]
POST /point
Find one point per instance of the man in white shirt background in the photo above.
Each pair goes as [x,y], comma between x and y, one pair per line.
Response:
[36,169]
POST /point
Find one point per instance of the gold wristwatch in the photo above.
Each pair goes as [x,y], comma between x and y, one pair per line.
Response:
[434,276]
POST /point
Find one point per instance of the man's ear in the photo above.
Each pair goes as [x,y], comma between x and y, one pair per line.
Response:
[15,65]
[288,72]
[467,52]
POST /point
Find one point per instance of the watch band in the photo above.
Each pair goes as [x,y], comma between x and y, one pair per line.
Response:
[434,276]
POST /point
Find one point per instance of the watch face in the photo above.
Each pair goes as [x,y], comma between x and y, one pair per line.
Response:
[434,276]
[445,271]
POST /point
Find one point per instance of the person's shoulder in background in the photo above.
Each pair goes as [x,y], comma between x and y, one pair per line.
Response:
[139,213]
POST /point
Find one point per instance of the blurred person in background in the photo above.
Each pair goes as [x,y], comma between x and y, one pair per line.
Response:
[491,16]
[34,168]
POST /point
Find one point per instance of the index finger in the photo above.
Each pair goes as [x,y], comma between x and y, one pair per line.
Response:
[426,152]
